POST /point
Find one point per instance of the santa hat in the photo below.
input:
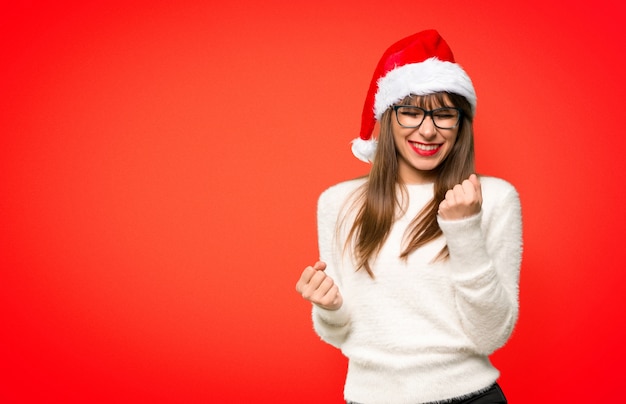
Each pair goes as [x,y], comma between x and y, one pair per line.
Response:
[420,64]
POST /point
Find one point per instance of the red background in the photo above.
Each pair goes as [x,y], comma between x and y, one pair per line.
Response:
[160,165]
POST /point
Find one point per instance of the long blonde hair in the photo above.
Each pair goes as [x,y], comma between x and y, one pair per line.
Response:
[378,200]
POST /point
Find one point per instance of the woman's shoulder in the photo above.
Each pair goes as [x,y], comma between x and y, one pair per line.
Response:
[498,191]
[338,194]
[496,185]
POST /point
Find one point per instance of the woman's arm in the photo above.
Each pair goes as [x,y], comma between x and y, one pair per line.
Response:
[331,322]
[485,252]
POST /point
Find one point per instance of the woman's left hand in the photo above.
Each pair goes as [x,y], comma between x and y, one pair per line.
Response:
[464,200]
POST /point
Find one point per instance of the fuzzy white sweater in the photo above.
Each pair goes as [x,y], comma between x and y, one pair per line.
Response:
[421,331]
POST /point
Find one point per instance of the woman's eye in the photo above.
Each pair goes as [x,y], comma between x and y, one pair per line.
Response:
[412,114]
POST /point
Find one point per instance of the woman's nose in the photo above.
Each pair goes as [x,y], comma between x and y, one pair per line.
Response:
[428,129]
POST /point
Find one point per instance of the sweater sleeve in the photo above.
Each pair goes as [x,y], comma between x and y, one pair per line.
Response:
[485,253]
[332,326]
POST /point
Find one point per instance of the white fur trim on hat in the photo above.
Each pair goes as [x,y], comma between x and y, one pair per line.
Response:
[364,150]
[430,76]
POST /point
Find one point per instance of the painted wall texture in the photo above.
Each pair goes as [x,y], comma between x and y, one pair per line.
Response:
[160,164]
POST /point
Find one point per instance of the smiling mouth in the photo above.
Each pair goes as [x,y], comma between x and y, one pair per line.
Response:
[425,149]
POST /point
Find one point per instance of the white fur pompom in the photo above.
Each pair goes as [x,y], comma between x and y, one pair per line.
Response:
[364,150]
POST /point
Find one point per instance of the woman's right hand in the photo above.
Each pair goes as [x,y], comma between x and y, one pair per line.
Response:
[318,288]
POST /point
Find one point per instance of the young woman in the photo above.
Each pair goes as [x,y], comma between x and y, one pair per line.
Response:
[417,282]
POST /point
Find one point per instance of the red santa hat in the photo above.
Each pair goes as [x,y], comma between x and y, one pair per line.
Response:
[420,64]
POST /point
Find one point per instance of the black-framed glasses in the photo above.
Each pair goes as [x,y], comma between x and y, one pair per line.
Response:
[410,116]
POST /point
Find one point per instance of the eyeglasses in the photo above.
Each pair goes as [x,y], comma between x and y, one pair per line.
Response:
[410,116]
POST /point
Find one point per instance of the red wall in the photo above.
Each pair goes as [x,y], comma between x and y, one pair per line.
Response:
[160,164]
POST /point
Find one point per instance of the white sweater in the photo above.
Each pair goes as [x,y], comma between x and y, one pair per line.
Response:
[421,331]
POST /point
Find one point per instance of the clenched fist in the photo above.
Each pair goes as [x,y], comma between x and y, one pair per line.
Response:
[318,288]
[464,200]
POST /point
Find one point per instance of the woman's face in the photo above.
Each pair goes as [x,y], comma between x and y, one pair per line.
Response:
[420,150]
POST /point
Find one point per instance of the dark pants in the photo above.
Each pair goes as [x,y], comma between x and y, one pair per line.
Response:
[493,395]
